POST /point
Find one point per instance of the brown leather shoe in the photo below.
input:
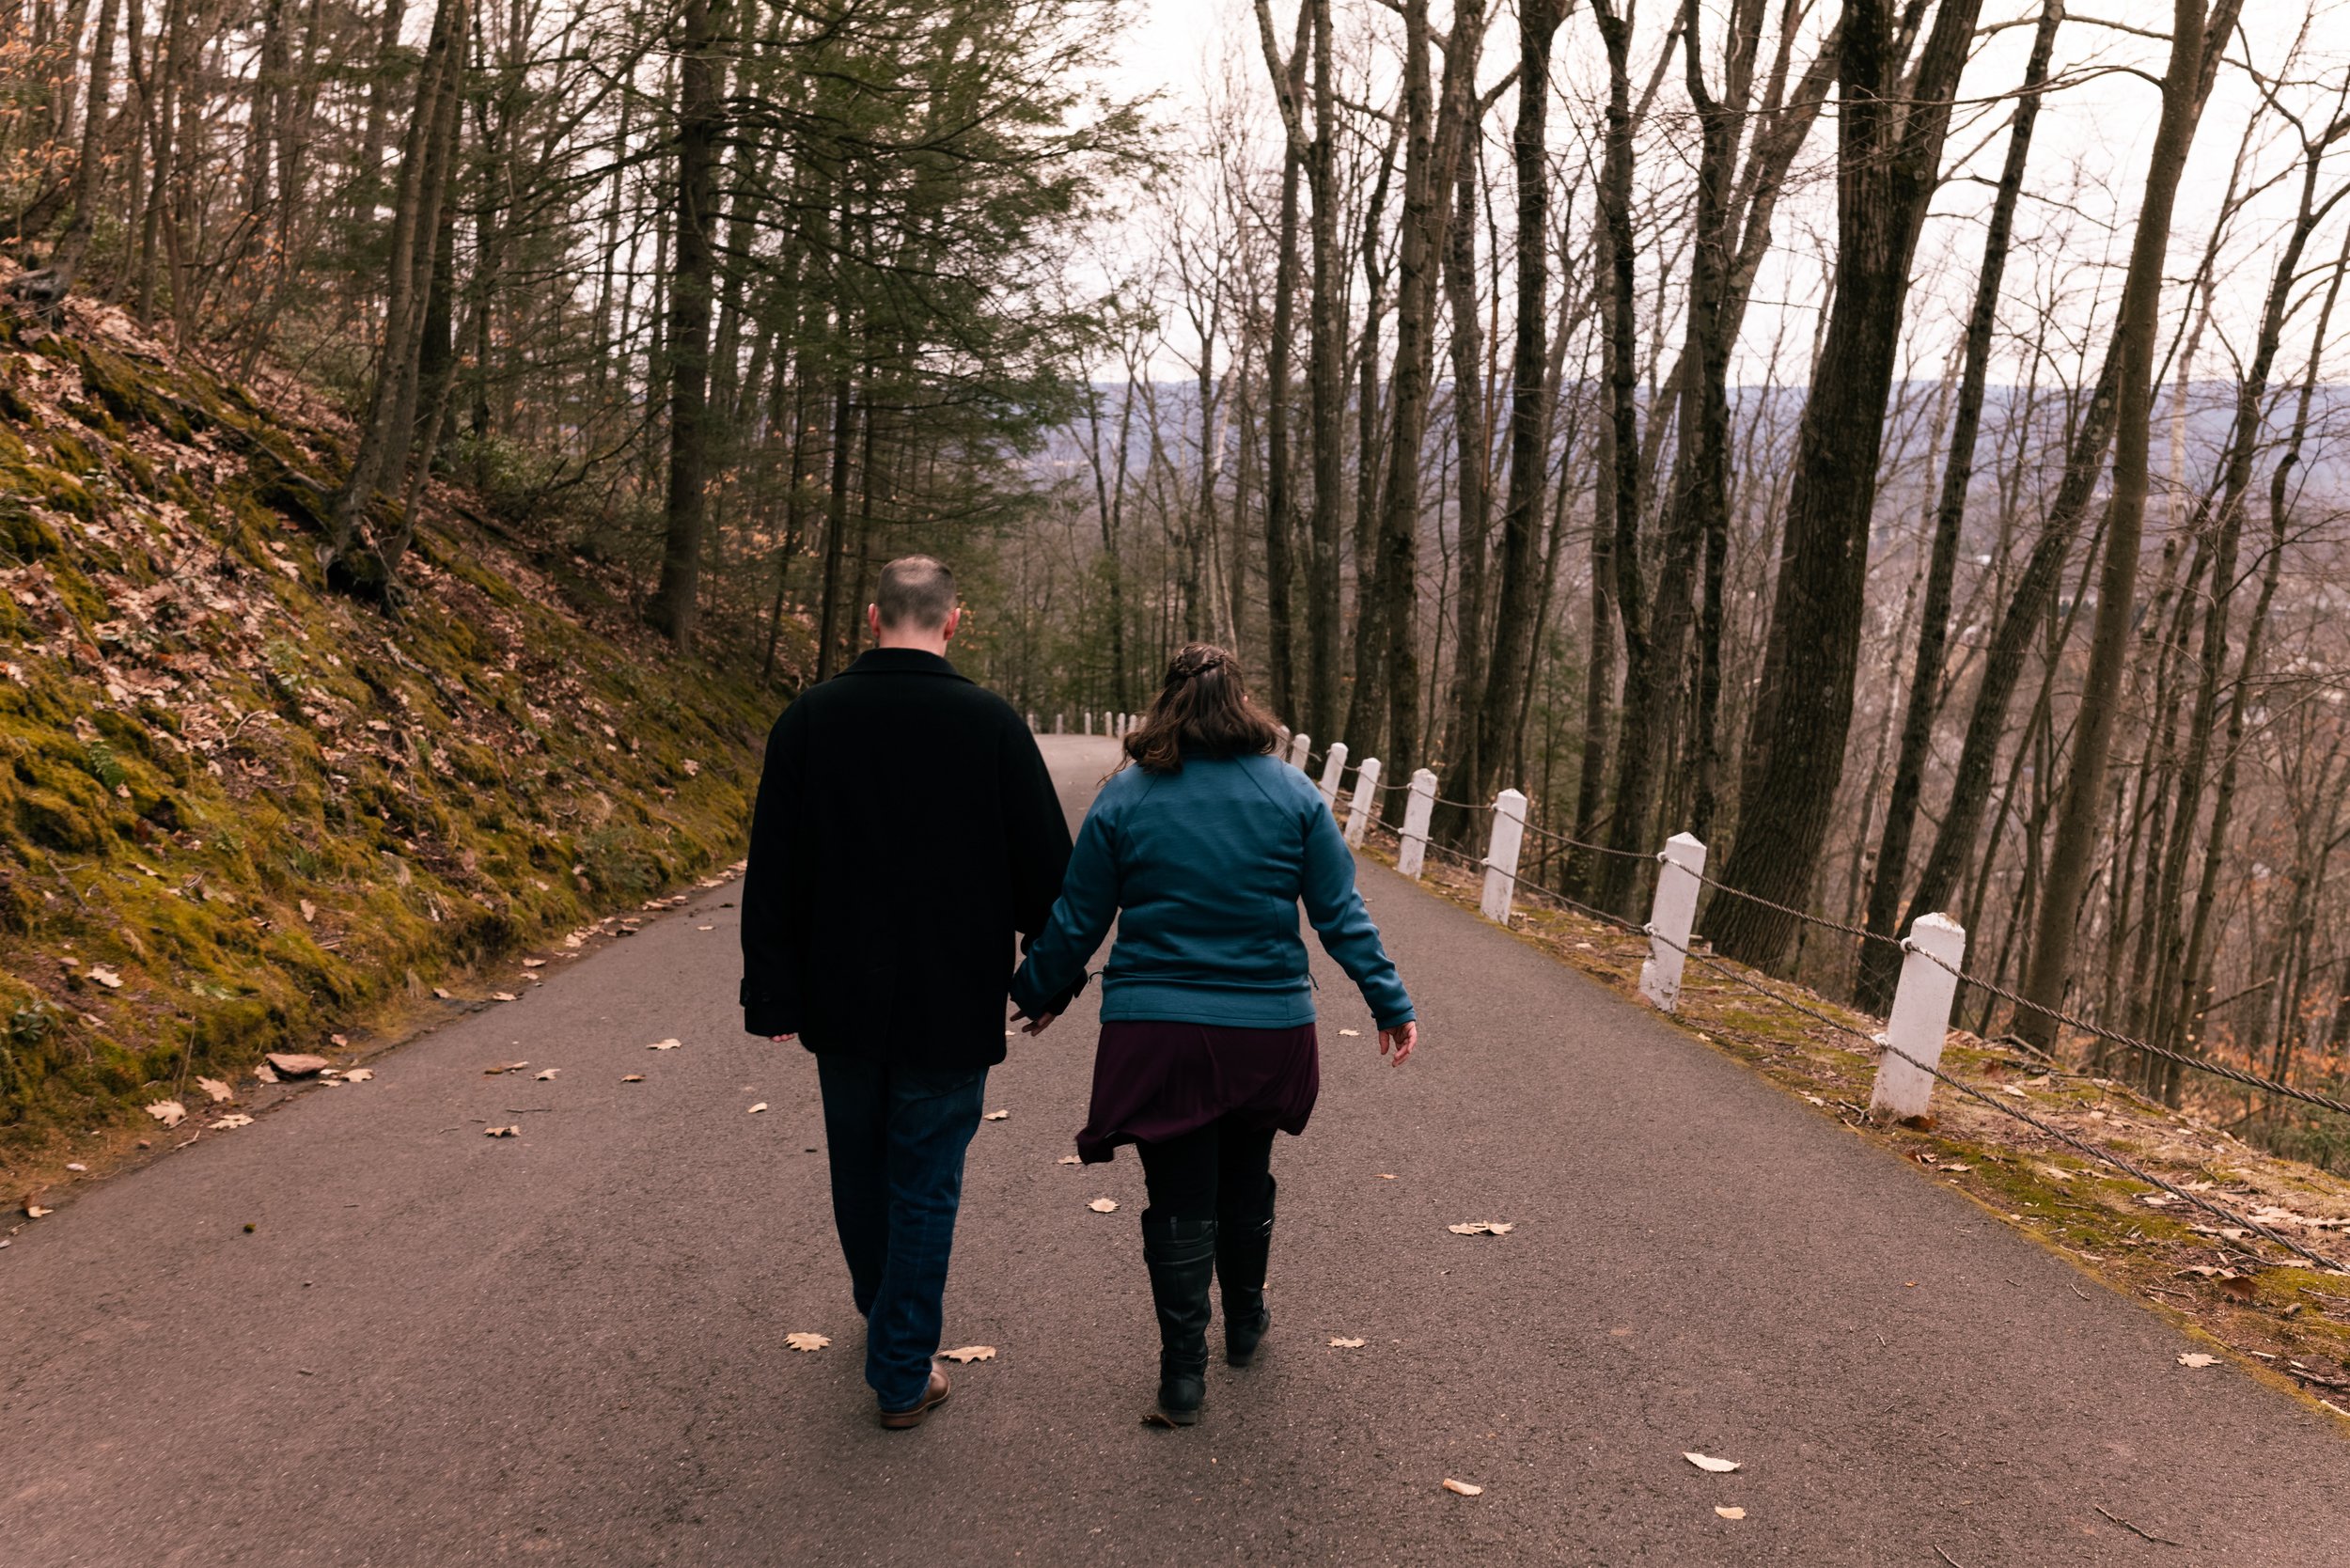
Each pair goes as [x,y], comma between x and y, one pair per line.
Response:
[933,1397]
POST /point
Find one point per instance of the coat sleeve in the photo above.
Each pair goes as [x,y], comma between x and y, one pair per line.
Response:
[1055,969]
[1335,906]
[1036,832]
[774,927]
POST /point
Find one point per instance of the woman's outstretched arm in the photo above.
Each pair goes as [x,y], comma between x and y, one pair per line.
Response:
[1055,968]
[1335,906]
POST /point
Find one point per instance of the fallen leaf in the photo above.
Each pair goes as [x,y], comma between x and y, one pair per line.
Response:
[760,1106]
[1732,1512]
[359,1075]
[1482,1227]
[631,1078]
[1386,1176]
[1707,1462]
[1346,1344]
[106,978]
[71,1165]
[705,928]
[169,1112]
[806,1342]
[2196,1358]
[2238,1287]
[217,1090]
[235,1119]
[297,1064]
[504,1067]
[1463,1488]
[1068,1159]
[309,910]
[548,1075]
[969,1353]
[662,1045]
[261,1074]
[1352,1034]
[501,996]
[441,993]
[34,1211]
[995,1115]
[1103,1205]
[534,963]
[502,1132]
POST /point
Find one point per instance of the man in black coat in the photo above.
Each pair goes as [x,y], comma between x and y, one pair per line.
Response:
[906,829]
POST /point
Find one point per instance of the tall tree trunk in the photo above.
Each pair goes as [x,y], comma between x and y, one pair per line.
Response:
[1879,962]
[1366,707]
[1890,133]
[700,124]
[2198,40]
[1465,703]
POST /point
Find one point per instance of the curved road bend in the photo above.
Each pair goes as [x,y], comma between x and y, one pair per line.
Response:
[440,1348]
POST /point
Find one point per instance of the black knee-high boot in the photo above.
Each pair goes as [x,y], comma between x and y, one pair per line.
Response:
[1182,1256]
[1242,1244]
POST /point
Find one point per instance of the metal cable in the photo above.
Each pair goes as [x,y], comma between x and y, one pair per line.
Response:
[1594,849]
[1801,914]
[2200,1065]
[2057,1133]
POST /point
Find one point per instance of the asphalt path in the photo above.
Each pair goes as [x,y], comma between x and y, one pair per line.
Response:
[361,1332]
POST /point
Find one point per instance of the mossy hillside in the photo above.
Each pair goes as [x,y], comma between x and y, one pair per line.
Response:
[238,810]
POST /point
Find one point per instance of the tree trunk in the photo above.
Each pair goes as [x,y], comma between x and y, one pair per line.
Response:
[700,124]
[2196,43]
[1880,964]
[1889,133]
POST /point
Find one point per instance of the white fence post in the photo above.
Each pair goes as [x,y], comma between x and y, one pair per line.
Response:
[1671,918]
[1412,852]
[1501,856]
[1365,805]
[1332,768]
[1920,1019]
[1061,726]
[1301,746]
[1031,721]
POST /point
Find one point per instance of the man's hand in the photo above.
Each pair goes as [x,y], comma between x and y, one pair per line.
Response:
[783,1039]
[1038,1025]
[1400,1040]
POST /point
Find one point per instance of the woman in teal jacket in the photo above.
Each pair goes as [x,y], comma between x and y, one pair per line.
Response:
[1202,853]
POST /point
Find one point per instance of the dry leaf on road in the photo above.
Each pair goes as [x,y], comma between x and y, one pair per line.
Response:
[756,1109]
[1732,1512]
[504,1067]
[1103,1205]
[1068,1159]
[1346,1344]
[1386,1175]
[631,1078]
[501,1132]
[218,1090]
[534,963]
[169,1112]
[662,1045]
[235,1119]
[106,978]
[1707,1462]
[34,1211]
[359,1075]
[501,996]
[1463,1487]
[969,1353]
[547,1075]
[1352,1034]
[995,1115]
[441,992]
[2196,1358]
[806,1342]
[1482,1227]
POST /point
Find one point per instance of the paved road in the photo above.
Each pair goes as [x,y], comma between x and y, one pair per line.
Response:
[438,1348]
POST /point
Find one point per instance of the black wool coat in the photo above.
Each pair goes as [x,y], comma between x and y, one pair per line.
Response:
[906,829]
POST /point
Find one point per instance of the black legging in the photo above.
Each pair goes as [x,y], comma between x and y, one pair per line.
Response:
[1218,1171]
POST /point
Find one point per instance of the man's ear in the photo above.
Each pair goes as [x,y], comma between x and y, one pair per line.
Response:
[873,619]
[954,619]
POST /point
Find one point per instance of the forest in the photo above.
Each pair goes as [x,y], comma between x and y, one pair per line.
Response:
[1895,440]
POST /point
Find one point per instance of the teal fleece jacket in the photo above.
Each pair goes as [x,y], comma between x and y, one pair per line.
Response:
[1203,871]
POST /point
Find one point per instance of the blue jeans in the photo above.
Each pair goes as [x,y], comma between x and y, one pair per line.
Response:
[895,1137]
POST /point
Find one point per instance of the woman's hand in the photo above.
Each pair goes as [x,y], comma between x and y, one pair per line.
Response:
[1038,1025]
[1400,1040]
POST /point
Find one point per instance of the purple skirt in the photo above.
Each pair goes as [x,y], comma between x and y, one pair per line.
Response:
[1155,1080]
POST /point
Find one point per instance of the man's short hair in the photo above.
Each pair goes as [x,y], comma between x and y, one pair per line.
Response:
[915,590]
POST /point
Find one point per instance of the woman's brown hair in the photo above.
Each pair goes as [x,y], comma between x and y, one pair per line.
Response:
[1203,711]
